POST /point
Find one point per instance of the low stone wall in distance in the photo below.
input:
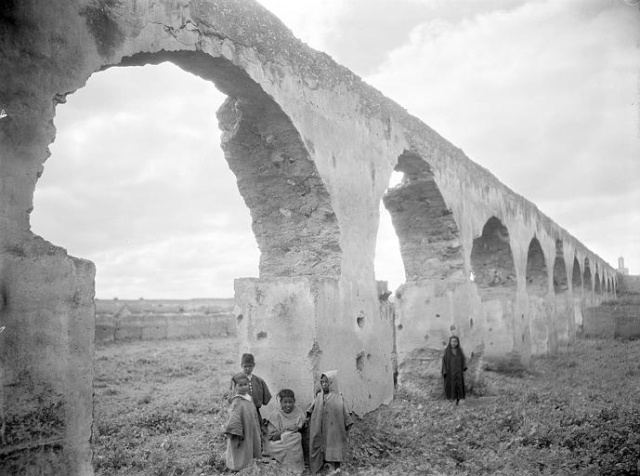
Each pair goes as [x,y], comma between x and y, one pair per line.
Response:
[147,319]
[618,318]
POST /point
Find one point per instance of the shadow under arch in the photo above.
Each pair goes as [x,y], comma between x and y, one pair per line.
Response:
[576,277]
[292,217]
[492,261]
[598,284]
[587,283]
[427,232]
[560,280]
[537,274]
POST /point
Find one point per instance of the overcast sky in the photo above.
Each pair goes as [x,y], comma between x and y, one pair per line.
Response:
[545,94]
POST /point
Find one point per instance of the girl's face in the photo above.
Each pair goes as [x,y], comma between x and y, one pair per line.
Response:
[324,383]
[242,387]
[287,404]
[454,342]
[247,368]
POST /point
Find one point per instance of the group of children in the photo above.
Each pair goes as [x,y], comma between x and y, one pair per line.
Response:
[279,436]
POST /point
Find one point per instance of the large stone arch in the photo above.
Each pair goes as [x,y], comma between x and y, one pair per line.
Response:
[597,288]
[432,255]
[47,296]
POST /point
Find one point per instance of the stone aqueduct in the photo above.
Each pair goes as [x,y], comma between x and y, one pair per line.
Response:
[313,149]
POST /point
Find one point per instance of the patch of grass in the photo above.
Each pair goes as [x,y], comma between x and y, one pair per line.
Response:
[573,414]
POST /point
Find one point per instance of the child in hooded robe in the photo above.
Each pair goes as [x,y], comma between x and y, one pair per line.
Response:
[242,427]
[453,368]
[283,440]
[328,425]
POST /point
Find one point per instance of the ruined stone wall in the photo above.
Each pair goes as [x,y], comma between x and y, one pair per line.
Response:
[167,326]
[313,149]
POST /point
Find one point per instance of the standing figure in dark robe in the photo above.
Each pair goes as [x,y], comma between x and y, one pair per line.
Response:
[242,428]
[453,368]
[328,425]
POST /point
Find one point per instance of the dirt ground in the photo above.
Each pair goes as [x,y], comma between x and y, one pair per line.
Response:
[159,410]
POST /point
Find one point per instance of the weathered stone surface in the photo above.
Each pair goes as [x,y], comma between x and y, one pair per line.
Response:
[313,148]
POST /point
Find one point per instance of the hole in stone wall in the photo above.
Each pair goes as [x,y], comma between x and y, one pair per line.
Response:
[262,335]
[239,318]
[399,327]
[360,361]
[360,320]
[471,323]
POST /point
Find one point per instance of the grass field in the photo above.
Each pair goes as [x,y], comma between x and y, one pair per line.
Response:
[159,410]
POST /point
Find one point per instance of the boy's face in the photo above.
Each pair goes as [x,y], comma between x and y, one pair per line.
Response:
[247,368]
[324,383]
[287,404]
[454,343]
[242,387]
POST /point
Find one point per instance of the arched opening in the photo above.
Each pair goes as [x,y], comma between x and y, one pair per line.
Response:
[609,288]
[576,276]
[287,202]
[560,280]
[292,216]
[428,235]
[492,261]
[597,284]
[137,183]
[388,259]
[586,277]
[537,275]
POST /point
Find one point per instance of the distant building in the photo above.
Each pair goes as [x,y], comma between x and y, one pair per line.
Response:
[621,268]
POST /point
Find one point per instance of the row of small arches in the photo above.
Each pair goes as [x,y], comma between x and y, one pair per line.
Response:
[493,266]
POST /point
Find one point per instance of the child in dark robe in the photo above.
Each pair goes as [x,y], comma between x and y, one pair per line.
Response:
[283,440]
[453,368]
[258,388]
[242,427]
[328,425]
